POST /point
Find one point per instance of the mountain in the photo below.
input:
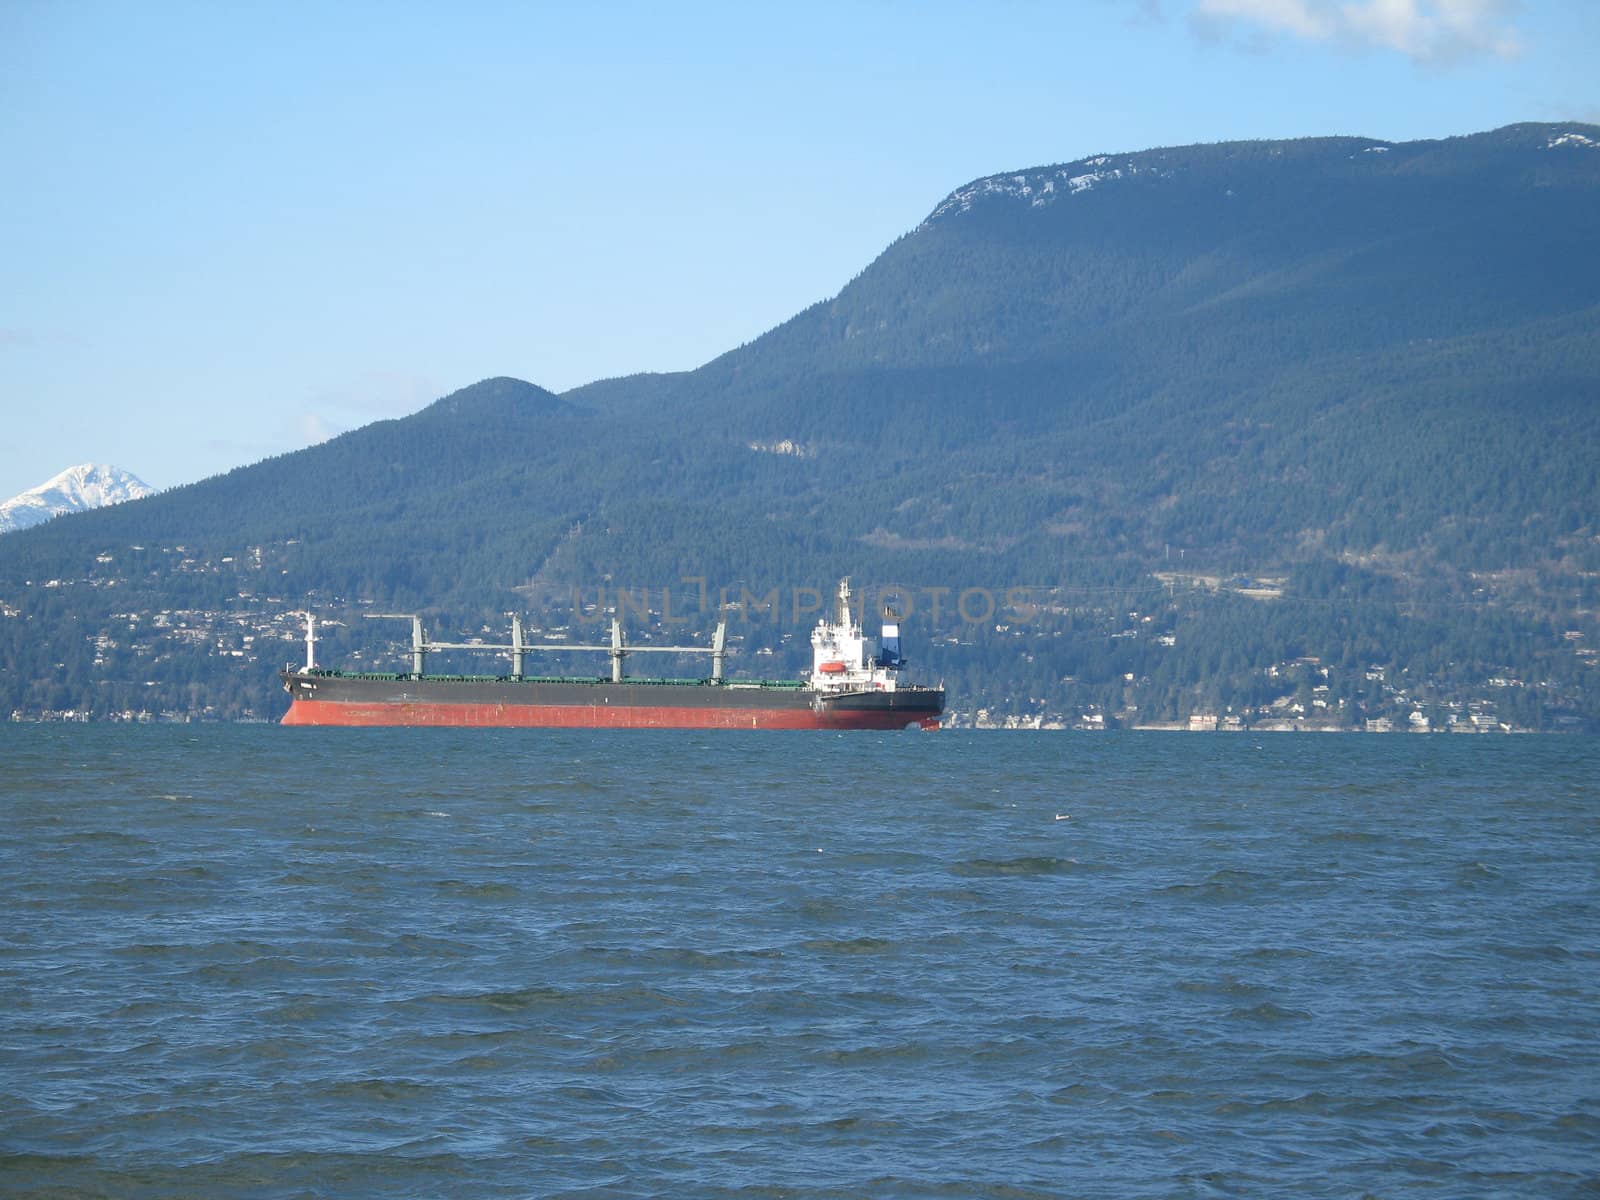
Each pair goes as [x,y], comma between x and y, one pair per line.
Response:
[1230,348]
[1223,409]
[77,489]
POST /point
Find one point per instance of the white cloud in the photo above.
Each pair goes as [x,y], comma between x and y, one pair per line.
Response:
[314,429]
[384,393]
[1427,31]
[359,400]
[1303,18]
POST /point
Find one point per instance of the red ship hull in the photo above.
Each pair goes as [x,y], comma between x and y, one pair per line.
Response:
[332,698]
[587,716]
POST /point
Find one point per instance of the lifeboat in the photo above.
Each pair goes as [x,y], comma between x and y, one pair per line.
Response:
[831,668]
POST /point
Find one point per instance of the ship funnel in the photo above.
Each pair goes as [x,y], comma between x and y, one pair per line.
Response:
[889,655]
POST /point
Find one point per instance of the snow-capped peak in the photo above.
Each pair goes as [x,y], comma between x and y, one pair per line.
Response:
[86,486]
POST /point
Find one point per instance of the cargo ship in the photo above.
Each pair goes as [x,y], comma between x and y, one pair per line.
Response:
[853,684]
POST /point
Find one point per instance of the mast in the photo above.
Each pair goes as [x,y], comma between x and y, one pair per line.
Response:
[617,652]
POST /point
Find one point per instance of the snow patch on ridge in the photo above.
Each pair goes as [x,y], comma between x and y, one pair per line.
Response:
[77,489]
[788,446]
[1042,188]
[1571,139]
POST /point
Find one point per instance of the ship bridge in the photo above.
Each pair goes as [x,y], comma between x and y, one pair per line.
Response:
[843,659]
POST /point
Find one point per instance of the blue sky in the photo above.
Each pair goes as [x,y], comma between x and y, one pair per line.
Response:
[230,230]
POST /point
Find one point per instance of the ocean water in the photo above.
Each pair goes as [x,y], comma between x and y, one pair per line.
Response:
[248,961]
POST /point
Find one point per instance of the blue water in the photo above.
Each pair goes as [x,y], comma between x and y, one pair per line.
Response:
[245,961]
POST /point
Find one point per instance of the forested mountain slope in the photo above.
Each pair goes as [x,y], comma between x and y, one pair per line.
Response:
[1366,372]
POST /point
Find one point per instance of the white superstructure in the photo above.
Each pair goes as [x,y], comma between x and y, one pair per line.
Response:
[843,660]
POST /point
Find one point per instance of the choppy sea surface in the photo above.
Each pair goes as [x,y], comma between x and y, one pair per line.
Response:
[249,961]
